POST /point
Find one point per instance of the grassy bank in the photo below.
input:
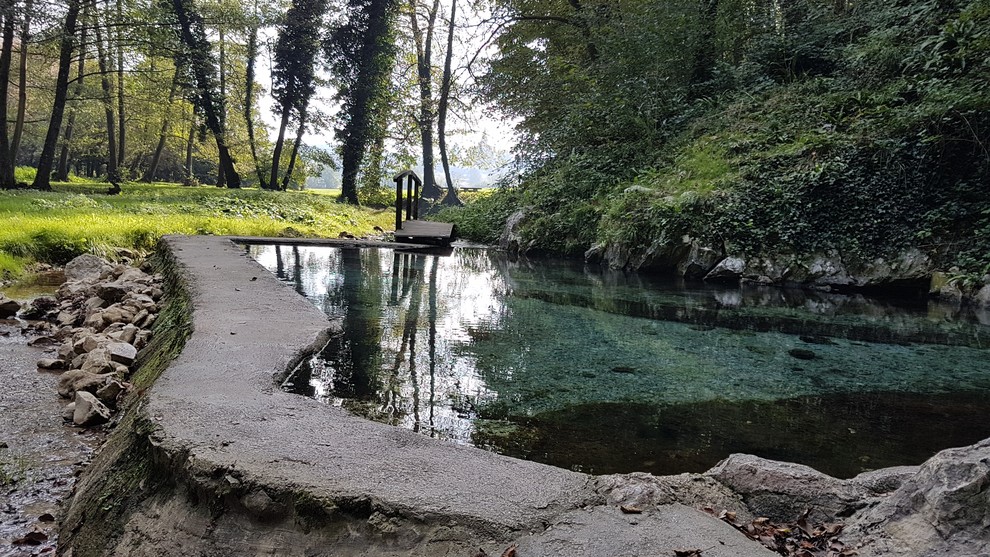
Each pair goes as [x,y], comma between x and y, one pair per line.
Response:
[79,217]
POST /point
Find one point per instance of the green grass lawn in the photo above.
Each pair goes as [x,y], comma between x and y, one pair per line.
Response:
[79,217]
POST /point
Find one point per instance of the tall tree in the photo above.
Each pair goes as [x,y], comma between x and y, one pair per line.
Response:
[294,74]
[113,163]
[361,52]
[249,75]
[424,77]
[7,12]
[62,171]
[197,55]
[156,158]
[443,106]
[42,180]
[24,38]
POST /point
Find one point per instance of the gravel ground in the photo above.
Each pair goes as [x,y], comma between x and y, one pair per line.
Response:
[39,456]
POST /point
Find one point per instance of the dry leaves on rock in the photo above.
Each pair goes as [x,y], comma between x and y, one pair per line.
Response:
[800,538]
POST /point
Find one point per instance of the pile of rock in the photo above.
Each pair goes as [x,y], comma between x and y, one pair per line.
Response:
[102,316]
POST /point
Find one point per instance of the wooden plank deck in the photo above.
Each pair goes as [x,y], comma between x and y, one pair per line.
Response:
[425,232]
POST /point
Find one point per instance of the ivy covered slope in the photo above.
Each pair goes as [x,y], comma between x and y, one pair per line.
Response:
[808,141]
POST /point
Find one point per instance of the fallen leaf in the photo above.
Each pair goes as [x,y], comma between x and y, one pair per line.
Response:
[629,509]
[47,517]
[687,553]
[510,551]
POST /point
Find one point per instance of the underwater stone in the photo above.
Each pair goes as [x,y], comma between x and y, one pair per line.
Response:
[801,353]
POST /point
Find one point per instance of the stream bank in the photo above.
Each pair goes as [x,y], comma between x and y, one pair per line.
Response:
[214,459]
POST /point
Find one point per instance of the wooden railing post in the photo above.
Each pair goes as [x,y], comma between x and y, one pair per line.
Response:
[415,197]
[409,199]
[398,202]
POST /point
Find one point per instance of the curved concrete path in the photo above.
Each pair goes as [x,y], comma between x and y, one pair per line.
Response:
[263,463]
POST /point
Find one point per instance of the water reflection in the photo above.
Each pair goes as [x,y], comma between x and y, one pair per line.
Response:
[580,367]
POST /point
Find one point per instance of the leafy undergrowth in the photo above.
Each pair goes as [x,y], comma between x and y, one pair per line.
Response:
[78,217]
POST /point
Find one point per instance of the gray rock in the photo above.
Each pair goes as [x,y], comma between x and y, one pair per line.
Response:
[92,342]
[39,308]
[89,411]
[122,353]
[8,307]
[68,317]
[94,303]
[71,382]
[97,362]
[95,321]
[699,261]
[69,411]
[66,350]
[982,297]
[643,491]
[781,491]
[262,506]
[108,393]
[825,270]
[51,363]
[125,334]
[86,267]
[943,509]
[511,238]
[727,270]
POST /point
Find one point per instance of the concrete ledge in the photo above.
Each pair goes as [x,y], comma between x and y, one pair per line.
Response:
[219,461]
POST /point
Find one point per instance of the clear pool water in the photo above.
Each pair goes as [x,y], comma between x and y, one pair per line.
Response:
[604,372]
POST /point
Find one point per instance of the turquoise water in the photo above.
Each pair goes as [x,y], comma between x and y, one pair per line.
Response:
[607,372]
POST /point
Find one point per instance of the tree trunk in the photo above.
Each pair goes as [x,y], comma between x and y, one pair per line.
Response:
[443,106]
[295,150]
[15,142]
[42,180]
[221,174]
[113,168]
[62,173]
[197,46]
[6,162]
[149,175]
[189,150]
[252,56]
[121,128]
[279,144]
[424,54]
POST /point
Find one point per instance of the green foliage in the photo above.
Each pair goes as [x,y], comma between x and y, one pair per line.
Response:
[482,216]
[797,127]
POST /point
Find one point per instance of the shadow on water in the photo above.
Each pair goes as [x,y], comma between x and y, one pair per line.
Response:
[610,372]
[841,435]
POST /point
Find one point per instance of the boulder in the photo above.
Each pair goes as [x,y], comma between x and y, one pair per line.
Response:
[8,307]
[108,393]
[95,321]
[39,308]
[77,380]
[511,238]
[94,303]
[824,270]
[89,411]
[126,334]
[727,270]
[69,411]
[97,362]
[51,363]
[86,267]
[699,261]
[942,509]
[781,491]
[122,353]
[66,351]
[68,317]
[982,297]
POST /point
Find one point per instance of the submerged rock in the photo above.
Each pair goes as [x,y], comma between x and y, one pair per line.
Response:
[801,353]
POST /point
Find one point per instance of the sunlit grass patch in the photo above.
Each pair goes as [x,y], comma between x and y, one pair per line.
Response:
[79,218]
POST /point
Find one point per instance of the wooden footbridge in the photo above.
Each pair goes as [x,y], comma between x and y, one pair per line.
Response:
[410,229]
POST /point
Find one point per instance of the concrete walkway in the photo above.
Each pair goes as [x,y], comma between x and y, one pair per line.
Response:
[267,472]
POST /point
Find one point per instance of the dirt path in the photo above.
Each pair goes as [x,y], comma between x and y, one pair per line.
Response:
[39,456]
